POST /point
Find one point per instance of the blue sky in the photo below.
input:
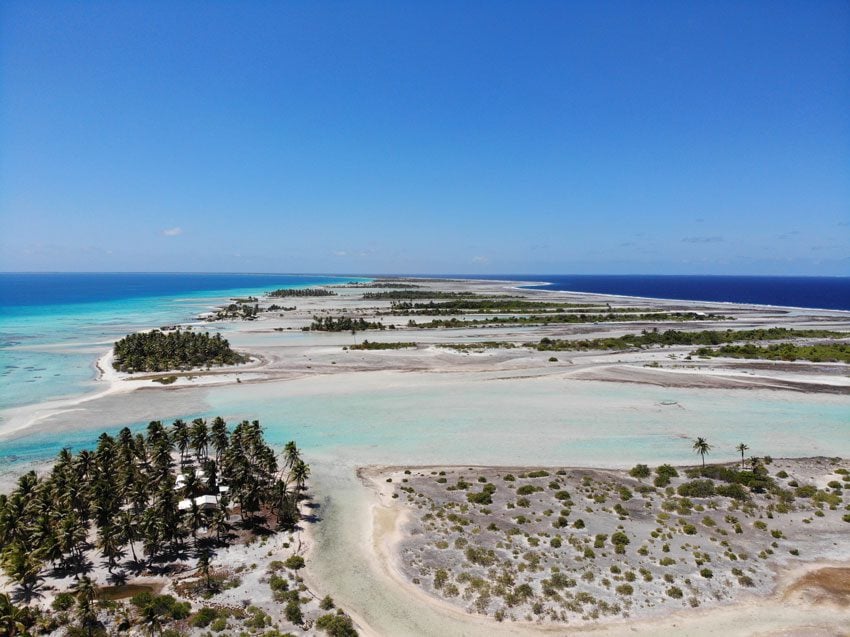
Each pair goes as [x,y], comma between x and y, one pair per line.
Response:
[433,137]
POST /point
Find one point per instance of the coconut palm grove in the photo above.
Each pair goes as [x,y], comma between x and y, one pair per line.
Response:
[157,502]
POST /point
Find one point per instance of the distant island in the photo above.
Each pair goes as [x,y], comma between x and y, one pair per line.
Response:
[300,292]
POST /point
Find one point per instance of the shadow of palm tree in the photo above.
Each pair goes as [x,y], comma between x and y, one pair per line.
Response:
[204,544]
[117,578]
[27,592]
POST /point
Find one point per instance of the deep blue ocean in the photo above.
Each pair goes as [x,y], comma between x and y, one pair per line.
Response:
[829,293]
[34,289]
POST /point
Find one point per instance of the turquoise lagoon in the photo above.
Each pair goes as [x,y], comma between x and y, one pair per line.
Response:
[382,417]
[53,327]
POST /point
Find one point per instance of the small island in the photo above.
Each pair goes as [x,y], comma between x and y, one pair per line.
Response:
[156,351]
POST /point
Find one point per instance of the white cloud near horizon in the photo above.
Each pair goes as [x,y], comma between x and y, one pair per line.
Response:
[172,232]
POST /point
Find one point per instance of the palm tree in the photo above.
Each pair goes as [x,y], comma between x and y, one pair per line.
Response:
[300,472]
[218,438]
[204,568]
[702,447]
[200,438]
[197,519]
[86,613]
[13,620]
[291,453]
[219,523]
[742,448]
[152,618]
[109,542]
[128,531]
[23,567]
[180,437]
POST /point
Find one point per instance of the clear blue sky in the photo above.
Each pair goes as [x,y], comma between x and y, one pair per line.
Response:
[434,137]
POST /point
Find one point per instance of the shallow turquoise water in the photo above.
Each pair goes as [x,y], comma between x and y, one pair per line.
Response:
[49,351]
[426,419]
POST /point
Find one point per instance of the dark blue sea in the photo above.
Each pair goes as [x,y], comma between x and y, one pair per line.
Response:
[65,288]
[831,293]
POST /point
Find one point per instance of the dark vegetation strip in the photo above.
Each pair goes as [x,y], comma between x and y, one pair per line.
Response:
[371,345]
[465,347]
[569,318]
[380,284]
[820,353]
[676,337]
[420,294]
[343,324]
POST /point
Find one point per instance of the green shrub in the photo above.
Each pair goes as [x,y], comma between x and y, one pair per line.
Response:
[204,617]
[294,562]
[640,471]
[667,470]
[734,491]
[278,583]
[696,489]
[675,592]
[806,491]
[293,612]
[441,576]
[219,625]
[63,601]
[337,625]
[625,589]
[619,540]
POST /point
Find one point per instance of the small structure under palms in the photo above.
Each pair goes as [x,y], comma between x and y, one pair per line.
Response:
[702,447]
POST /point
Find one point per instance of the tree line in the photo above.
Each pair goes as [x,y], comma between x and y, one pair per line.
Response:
[610,317]
[344,324]
[418,294]
[285,292]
